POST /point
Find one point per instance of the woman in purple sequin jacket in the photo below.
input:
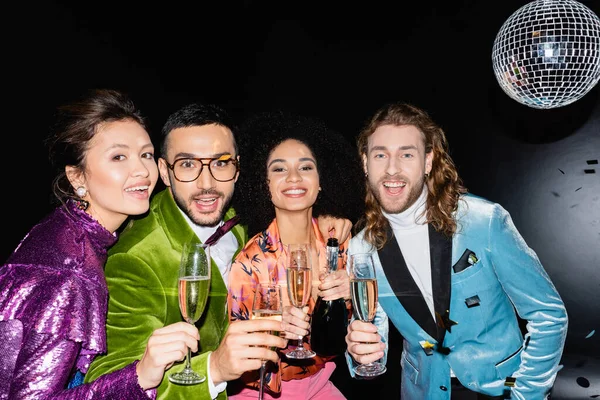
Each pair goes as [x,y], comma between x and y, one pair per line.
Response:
[53,294]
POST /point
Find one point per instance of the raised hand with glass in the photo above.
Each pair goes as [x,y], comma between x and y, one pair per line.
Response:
[194,284]
[267,304]
[299,284]
[364,291]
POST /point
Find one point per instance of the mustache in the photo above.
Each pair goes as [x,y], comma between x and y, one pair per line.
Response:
[205,192]
[396,177]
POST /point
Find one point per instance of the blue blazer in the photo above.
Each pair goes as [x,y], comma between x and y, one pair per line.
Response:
[482,278]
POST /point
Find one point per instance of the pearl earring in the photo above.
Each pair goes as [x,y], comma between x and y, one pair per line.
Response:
[81,191]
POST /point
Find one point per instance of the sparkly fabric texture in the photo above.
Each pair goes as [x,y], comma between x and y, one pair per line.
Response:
[53,303]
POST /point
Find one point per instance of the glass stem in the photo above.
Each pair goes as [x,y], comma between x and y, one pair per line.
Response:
[301,340]
[261,383]
[188,364]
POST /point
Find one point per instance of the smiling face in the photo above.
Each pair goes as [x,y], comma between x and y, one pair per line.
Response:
[292,176]
[120,173]
[204,200]
[396,164]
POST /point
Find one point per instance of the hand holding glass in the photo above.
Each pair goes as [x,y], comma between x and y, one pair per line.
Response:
[363,288]
[194,283]
[267,304]
[299,283]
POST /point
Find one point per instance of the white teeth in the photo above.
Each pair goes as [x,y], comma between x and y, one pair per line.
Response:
[394,184]
[295,191]
[132,189]
[206,200]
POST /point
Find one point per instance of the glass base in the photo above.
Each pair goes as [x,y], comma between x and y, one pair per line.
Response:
[372,369]
[186,377]
[300,354]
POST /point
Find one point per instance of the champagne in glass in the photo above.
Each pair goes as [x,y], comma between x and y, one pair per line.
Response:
[363,288]
[267,304]
[365,293]
[192,297]
[194,284]
[299,283]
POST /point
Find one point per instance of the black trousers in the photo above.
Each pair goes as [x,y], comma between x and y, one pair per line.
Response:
[459,392]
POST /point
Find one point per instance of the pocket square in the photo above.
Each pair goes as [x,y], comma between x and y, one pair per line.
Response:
[466,260]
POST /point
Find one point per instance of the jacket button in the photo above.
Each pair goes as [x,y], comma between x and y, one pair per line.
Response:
[444,388]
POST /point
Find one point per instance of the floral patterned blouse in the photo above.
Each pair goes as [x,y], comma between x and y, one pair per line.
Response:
[260,262]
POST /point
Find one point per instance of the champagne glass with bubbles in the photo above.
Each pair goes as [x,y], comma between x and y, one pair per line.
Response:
[363,288]
[194,284]
[267,304]
[299,284]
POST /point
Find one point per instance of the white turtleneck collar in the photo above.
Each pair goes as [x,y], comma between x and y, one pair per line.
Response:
[412,217]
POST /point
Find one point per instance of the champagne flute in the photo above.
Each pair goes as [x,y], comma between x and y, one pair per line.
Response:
[194,284]
[299,284]
[267,304]
[363,288]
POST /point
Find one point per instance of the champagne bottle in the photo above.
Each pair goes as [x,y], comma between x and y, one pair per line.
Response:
[330,317]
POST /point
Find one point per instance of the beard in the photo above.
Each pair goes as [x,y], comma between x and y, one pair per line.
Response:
[204,220]
[396,206]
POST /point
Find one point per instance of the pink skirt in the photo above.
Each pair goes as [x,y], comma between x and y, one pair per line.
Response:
[315,387]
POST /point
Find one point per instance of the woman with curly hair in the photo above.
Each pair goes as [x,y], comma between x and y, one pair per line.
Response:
[295,169]
[454,274]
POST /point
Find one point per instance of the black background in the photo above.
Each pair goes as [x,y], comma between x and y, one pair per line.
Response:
[333,60]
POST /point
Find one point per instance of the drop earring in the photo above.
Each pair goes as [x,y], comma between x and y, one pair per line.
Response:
[81,204]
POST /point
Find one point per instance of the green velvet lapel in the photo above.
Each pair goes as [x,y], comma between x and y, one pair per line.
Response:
[169,217]
[178,232]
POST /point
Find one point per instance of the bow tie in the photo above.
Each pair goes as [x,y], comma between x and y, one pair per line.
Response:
[223,229]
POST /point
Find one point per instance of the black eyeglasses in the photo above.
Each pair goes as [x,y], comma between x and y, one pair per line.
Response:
[223,168]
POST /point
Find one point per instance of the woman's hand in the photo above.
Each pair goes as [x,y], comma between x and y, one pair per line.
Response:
[295,322]
[166,345]
[334,227]
[335,285]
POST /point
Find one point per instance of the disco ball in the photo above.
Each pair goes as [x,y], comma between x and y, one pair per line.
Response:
[547,54]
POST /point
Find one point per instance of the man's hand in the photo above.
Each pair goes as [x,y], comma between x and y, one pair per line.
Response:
[339,228]
[245,345]
[364,343]
[335,285]
[165,346]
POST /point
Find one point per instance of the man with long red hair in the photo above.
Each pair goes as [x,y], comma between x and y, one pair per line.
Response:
[454,274]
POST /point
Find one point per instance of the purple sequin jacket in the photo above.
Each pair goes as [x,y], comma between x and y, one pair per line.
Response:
[53,304]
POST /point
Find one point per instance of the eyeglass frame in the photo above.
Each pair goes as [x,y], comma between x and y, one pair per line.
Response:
[203,163]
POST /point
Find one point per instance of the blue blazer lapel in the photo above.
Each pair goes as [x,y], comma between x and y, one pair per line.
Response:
[403,285]
[395,311]
[440,253]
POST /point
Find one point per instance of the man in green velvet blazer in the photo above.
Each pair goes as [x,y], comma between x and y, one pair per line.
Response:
[199,166]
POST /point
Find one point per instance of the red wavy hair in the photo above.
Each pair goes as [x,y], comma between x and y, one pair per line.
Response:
[443,183]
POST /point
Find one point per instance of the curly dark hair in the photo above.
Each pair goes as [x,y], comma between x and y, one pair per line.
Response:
[338,165]
[443,183]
